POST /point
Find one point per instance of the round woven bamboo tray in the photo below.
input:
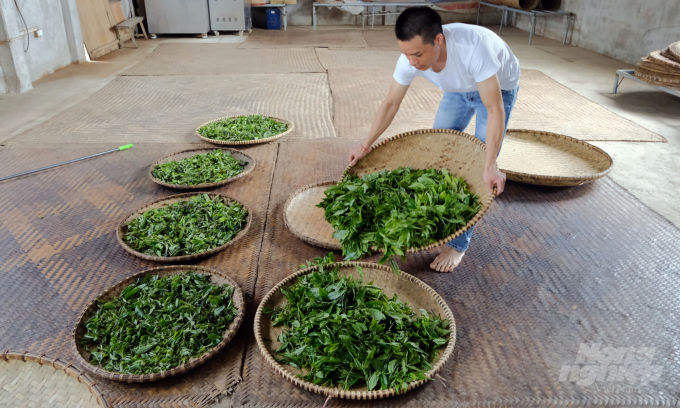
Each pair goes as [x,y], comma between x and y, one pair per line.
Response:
[164,202]
[247,142]
[306,221]
[549,5]
[217,277]
[251,163]
[668,64]
[461,154]
[549,159]
[656,66]
[34,380]
[674,51]
[661,77]
[518,4]
[408,288]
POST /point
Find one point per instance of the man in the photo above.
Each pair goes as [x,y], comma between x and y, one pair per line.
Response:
[477,72]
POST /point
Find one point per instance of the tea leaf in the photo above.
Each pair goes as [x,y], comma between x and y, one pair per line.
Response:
[242,128]
[396,210]
[186,227]
[160,324]
[357,337]
[200,169]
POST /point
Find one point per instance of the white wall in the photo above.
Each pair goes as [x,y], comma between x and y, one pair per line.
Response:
[61,42]
[49,52]
[3,88]
[623,29]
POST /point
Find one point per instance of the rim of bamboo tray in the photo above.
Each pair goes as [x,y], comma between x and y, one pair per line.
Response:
[587,151]
[485,202]
[662,77]
[518,4]
[68,368]
[332,243]
[247,142]
[244,157]
[163,271]
[674,51]
[669,64]
[337,392]
[122,227]
[656,66]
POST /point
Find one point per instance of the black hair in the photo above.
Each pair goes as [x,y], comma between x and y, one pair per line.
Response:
[422,21]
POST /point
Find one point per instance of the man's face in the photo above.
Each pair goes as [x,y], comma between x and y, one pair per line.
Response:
[421,56]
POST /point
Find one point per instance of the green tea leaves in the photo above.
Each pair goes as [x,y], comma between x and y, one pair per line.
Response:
[200,169]
[346,333]
[159,324]
[396,210]
[186,227]
[242,128]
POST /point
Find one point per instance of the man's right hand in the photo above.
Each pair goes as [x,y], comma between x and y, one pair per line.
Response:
[357,153]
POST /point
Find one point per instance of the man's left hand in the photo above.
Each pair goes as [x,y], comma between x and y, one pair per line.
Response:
[494,176]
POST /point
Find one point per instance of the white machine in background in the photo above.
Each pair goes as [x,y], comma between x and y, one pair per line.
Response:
[197,16]
[230,15]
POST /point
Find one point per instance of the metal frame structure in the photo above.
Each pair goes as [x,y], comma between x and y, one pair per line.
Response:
[284,12]
[366,5]
[532,13]
[629,73]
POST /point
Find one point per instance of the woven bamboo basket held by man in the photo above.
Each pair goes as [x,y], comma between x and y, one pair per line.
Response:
[477,72]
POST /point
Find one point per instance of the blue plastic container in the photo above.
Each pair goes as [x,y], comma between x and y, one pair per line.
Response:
[273,19]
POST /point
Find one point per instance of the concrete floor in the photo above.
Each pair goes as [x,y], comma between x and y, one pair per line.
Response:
[647,170]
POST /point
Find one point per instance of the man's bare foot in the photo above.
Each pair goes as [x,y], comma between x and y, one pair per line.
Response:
[447,259]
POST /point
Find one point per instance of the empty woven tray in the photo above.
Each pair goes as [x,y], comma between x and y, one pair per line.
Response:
[247,142]
[305,220]
[549,159]
[251,163]
[164,202]
[408,289]
[217,277]
[31,380]
[459,153]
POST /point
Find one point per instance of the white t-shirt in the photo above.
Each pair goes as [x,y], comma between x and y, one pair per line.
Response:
[474,54]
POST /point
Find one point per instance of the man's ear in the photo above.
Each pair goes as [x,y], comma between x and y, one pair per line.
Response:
[439,39]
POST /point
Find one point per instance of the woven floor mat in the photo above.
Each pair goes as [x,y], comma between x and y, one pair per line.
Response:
[224,59]
[299,37]
[543,104]
[357,94]
[58,251]
[381,39]
[550,272]
[357,59]
[166,109]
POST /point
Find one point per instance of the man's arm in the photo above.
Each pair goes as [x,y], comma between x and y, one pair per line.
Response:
[490,91]
[383,118]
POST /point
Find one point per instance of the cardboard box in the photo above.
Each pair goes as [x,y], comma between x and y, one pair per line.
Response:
[290,1]
[276,2]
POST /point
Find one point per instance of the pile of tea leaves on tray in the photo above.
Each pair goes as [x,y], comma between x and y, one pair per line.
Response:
[348,333]
[186,227]
[210,167]
[396,210]
[242,128]
[157,324]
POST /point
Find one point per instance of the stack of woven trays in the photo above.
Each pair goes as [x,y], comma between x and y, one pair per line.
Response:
[661,67]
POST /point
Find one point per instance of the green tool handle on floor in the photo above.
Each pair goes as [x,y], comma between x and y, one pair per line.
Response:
[66,162]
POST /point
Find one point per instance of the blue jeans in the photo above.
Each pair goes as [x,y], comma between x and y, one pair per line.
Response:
[455,112]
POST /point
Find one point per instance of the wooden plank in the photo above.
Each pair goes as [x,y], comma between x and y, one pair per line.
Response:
[95,23]
[117,10]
